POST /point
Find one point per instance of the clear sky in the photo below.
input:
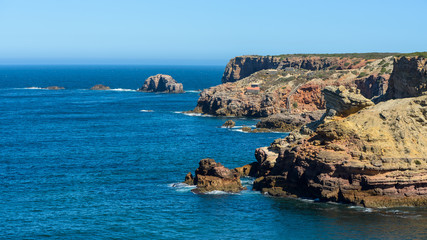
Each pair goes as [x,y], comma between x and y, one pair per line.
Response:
[203,32]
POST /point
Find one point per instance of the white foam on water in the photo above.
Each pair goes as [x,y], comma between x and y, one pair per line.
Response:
[239,130]
[193,91]
[143,110]
[122,90]
[32,88]
[216,192]
[193,114]
[182,187]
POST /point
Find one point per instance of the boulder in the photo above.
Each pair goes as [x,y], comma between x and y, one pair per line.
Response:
[213,176]
[100,87]
[161,83]
[342,102]
[229,124]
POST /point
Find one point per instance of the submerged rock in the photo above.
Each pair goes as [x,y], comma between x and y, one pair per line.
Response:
[54,88]
[213,176]
[100,87]
[161,83]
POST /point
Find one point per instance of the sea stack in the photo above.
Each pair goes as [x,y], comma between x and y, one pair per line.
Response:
[161,83]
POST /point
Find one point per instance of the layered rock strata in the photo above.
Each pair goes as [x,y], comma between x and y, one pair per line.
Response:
[243,66]
[373,155]
[161,83]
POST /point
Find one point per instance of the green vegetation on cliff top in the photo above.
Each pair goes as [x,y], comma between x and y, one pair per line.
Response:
[372,55]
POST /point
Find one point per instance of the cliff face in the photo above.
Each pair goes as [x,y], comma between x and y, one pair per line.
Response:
[243,66]
[376,157]
[409,78]
[295,90]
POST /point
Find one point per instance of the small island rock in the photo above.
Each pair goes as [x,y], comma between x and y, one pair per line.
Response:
[229,124]
[161,83]
[54,88]
[100,87]
[213,176]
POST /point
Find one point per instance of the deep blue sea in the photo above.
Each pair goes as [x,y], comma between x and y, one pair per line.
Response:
[82,164]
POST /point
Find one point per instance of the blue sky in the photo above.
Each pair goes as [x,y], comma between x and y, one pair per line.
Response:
[202,32]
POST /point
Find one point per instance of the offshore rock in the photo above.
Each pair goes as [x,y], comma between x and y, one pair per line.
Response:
[100,87]
[161,83]
[54,88]
[213,176]
[229,124]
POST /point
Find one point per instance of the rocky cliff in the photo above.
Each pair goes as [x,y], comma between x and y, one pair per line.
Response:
[243,66]
[373,155]
[291,90]
[161,83]
[409,79]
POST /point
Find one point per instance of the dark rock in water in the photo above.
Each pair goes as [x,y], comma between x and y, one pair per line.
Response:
[161,83]
[189,179]
[54,88]
[213,176]
[246,129]
[287,122]
[100,87]
[229,124]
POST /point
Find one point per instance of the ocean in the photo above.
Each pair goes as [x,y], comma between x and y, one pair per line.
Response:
[82,164]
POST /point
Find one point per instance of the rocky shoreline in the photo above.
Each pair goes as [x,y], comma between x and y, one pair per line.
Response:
[364,150]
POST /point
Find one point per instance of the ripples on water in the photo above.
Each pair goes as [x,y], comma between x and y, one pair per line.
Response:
[107,164]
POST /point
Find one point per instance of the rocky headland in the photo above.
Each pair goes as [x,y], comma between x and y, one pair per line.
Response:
[363,150]
[161,83]
[256,86]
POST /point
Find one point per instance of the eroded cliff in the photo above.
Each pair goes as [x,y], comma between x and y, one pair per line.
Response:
[375,157]
[292,90]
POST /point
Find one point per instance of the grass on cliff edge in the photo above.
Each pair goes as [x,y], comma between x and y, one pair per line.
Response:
[372,55]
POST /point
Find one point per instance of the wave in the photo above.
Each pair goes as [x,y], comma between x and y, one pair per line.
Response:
[193,114]
[182,187]
[122,90]
[193,91]
[32,88]
[143,110]
[216,192]
[238,130]
[361,209]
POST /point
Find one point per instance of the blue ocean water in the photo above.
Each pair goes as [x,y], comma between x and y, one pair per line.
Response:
[78,164]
